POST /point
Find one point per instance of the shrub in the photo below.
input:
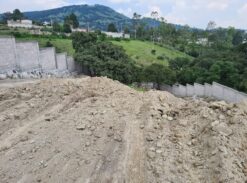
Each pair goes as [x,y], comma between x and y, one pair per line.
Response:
[160,57]
[48,44]
[153,52]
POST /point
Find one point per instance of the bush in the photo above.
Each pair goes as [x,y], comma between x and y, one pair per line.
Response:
[160,57]
[48,44]
[117,39]
[153,52]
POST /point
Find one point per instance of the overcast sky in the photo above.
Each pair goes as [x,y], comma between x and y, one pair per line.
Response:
[196,13]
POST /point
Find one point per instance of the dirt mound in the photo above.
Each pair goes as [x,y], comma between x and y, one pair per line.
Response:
[98,130]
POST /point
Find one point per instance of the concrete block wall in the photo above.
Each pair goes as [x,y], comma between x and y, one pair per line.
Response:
[199,90]
[189,90]
[47,58]
[216,90]
[7,54]
[62,64]
[28,57]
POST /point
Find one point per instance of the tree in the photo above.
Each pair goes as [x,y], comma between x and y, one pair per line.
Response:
[136,18]
[6,16]
[211,25]
[159,74]
[103,58]
[237,38]
[56,27]
[83,40]
[17,15]
[112,28]
[70,21]
[67,27]
[74,20]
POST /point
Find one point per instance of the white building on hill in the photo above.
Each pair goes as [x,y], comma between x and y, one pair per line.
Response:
[117,35]
[21,23]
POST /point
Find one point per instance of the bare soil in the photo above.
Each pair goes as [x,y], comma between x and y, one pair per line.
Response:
[95,130]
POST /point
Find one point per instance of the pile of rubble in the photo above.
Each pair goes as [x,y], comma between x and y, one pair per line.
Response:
[98,130]
[13,74]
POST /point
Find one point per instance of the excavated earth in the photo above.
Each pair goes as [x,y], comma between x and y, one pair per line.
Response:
[95,130]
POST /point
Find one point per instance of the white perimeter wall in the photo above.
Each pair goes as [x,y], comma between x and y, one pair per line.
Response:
[28,56]
[7,54]
[47,57]
[62,64]
[215,90]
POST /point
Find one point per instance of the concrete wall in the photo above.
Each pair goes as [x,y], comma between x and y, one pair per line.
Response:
[71,64]
[28,56]
[216,90]
[189,90]
[7,54]
[47,57]
[62,64]
[199,90]
[208,90]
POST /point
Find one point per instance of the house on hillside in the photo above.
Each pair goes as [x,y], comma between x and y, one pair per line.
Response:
[79,30]
[21,24]
[117,35]
[202,41]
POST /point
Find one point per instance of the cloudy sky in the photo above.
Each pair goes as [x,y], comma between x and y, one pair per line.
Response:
[196,13]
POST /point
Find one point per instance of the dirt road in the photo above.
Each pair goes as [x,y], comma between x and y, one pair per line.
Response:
[95,130]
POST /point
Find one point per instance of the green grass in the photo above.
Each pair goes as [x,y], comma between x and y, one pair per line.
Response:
[61,45]
[140,51]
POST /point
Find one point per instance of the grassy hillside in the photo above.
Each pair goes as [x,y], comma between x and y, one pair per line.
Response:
[140,51]
[61,45]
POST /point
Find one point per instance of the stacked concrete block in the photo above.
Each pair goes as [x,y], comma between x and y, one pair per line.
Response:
[71,64]
[166,88]
[181,91]
[229,94]
[217,91]
[199,90]
[62,64]
[241,97]
[47,57]
[175,90]
[28,56]
[7,54]
[189,90]
[207,90]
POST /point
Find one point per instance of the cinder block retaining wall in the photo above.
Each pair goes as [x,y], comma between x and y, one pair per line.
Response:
[27,57]
[215,90]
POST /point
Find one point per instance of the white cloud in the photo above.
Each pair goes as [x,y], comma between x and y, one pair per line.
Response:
[128,12]
[25,5]
[119,1]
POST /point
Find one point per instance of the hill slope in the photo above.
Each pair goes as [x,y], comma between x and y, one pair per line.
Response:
[140,51]
[98,16]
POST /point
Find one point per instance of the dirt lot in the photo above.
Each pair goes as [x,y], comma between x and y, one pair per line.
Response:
[95,130]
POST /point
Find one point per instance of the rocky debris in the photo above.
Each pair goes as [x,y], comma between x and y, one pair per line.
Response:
[98,130]
[35,74]
[81,127]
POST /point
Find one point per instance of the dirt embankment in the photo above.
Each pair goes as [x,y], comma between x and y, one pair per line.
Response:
[96,130]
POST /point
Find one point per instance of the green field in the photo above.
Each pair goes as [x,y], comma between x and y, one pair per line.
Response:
[140,51]
[61,45]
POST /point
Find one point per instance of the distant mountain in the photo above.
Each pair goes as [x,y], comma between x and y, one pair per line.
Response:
[98,16]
